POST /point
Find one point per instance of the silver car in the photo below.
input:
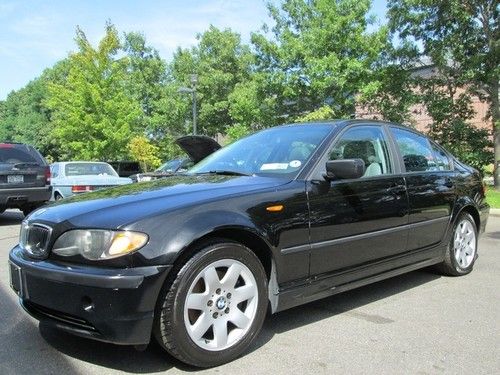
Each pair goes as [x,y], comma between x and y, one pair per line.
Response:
[75,177]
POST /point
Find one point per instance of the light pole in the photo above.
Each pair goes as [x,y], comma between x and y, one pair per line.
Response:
[191,90]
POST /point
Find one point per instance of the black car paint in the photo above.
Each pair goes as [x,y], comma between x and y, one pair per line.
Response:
[331,235]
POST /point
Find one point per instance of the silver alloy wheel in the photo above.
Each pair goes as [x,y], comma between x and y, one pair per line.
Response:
[221,305]
[464,244]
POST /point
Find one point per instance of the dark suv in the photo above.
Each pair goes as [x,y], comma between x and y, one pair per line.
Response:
[24,178]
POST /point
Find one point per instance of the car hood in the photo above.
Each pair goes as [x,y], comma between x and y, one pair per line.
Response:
[126,204]
[198,147]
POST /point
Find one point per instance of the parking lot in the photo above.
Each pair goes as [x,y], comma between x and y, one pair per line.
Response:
[419,323]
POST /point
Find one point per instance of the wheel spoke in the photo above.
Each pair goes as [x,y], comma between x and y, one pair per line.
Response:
[231,276]
[244,293]
[239,319]
[220,332]
[469,237]
[201,326]
[211,279]
[197,301]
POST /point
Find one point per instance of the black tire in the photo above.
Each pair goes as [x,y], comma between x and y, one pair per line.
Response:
[169,328]
[450,265]
[27,210]
[57,196]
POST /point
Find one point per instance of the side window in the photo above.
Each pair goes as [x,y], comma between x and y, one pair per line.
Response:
[442,160]
[367,143]
[54,170]
[416,151]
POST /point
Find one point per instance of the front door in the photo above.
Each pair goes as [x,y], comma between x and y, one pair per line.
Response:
[356,222]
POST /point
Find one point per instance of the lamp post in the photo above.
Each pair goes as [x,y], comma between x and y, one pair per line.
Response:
[191,90]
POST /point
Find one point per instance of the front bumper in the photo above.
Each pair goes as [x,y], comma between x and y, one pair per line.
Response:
[19,197]
[111,305]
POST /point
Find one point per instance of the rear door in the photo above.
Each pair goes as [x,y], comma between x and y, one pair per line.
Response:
[431,190]
[21,166]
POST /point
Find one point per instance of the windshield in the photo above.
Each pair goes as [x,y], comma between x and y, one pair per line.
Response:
[170,166]
[280,151]
[86,169]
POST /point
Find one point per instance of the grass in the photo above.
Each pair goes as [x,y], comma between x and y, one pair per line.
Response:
[493,197]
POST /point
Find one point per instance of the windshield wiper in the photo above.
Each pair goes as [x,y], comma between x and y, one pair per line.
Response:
[225,173]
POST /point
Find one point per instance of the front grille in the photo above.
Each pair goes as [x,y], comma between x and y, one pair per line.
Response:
[34,239]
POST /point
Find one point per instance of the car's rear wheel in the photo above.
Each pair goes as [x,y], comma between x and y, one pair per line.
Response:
[215,306]
[57,196]
[462,249]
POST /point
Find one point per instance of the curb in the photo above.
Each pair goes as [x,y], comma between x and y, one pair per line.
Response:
[495,211]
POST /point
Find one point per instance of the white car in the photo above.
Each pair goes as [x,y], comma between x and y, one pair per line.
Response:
[75,177]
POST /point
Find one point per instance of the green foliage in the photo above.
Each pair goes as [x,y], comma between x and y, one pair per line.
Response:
[142,150]
[236,132]
[93,116]
[319,53]
[221,62]
[322,113]
[493,198]
[461,38]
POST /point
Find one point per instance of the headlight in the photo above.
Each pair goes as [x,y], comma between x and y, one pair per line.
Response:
[96,244]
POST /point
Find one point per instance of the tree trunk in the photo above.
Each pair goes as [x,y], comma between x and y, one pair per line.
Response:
[495,116]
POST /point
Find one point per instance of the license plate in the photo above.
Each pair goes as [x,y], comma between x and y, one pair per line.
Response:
[15,179]
[15,278]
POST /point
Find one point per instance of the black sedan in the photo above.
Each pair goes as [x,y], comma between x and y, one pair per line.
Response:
[280,218]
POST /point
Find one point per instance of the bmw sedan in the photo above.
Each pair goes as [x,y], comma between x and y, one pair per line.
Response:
[285,216]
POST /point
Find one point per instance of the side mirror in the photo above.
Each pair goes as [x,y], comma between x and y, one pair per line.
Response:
[344,169]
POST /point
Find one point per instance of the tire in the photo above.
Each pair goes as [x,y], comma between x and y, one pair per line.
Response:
[27,210]
[57,196]
[225,313]
[461,252]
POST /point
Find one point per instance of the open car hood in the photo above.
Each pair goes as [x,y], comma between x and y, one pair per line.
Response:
[198,147]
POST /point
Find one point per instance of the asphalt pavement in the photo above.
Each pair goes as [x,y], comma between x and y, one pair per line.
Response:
[418,323]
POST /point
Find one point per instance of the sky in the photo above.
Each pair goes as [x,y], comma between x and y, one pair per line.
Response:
[35,34]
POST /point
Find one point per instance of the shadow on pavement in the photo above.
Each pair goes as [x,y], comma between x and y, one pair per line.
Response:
[154,359]
[11,217]
[342,303]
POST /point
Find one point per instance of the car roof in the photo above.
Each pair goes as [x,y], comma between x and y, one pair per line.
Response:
[342,123]
[80,162]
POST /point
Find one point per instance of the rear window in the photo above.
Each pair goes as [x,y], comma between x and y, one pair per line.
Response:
[17,153]
[86,169]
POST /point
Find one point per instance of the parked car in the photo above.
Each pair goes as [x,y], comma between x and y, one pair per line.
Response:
[196,146]
[126,168]
[24,178]
[76,177]
[277,219]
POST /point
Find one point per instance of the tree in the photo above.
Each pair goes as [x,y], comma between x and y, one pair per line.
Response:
[146,153]
[146,75]
[93,115]
[25,116]
[319,53]
[221,62]
[462,38]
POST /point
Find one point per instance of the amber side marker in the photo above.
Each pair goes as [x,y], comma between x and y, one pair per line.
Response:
[276,208]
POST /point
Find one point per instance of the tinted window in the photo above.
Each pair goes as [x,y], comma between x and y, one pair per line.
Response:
[367,143]
[441,159]
[415,150]
[15,153]
[85,169]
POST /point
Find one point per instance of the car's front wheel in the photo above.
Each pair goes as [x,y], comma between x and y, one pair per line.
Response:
[215,306]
